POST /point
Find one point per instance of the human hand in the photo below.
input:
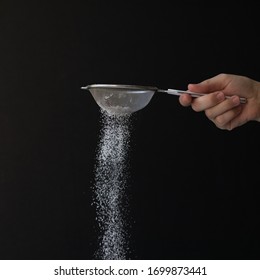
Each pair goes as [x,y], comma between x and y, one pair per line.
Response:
[226,113]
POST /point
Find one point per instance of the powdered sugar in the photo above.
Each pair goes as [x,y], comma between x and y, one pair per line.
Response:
[111,174]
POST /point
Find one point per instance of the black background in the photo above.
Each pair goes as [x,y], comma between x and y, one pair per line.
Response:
[194,191]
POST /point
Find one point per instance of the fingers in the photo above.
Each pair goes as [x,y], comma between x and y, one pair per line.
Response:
[226,120]
[216,83]
[222,107]
[207,101]
[214,103]
[220,110]
[223,114]
[202,103]
[185,100]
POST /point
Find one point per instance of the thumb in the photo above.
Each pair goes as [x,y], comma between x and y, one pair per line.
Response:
[216,83]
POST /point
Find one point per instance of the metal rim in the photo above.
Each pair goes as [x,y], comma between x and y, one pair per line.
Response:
[122,86]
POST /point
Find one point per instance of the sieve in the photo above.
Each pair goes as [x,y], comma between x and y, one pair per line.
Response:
[119,99]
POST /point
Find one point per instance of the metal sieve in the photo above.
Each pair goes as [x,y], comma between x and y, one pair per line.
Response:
[117,99]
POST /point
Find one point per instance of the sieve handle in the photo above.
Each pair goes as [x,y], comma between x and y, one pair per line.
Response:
[197,94]
[194,94]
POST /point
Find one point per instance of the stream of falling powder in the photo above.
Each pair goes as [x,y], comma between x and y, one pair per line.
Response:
[111,174]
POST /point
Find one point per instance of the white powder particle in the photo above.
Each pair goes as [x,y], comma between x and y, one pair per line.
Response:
[111,174]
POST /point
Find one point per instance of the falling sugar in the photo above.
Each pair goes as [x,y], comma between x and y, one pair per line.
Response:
[111,176]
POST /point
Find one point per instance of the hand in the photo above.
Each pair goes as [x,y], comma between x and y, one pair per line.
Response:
[226,113]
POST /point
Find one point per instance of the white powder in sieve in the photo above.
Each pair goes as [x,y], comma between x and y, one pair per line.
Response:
[111,175]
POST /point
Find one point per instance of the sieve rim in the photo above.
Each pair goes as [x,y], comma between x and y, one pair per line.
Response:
[122,86]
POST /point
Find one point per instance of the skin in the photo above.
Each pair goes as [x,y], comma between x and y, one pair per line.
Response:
[226,113]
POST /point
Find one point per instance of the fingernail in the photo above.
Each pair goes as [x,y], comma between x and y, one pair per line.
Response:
[235,100]
[220,96]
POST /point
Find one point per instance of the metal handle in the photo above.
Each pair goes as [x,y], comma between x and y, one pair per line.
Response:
[193,94]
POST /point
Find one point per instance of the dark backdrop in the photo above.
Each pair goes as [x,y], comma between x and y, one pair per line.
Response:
[194,190]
